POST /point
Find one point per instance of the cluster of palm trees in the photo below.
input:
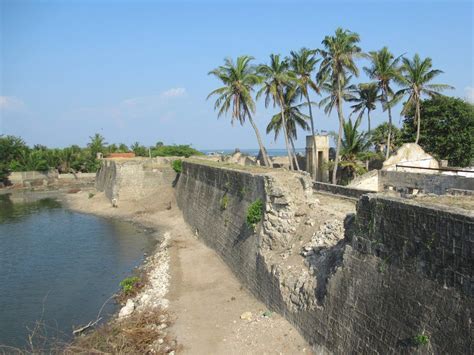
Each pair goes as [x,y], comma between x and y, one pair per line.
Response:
[288,83]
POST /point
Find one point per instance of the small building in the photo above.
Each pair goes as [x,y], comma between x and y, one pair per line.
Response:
[315,160]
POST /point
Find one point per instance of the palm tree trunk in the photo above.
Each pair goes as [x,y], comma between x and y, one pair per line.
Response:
[266,159]
[368,119]
[389,125]
[315,153]
[285,133]
[294,154]
[418,118]
[339,137]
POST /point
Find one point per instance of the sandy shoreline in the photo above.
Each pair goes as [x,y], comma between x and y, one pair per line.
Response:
[197,298]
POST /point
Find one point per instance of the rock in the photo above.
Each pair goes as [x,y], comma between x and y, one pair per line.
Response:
[275,191]
[282,200]
[246,316]
[127,310]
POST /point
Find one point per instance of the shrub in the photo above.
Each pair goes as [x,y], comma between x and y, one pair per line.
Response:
[174,150]
[129,283]
[421,339]
[4,172]
[255,213]
[177,166]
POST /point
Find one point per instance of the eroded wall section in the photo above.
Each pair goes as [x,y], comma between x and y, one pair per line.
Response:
[402,273]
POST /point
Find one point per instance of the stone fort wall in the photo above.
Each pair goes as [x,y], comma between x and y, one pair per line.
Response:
[132,179]
[403,270]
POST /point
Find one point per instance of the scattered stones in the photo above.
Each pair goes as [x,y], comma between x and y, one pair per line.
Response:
[246,316]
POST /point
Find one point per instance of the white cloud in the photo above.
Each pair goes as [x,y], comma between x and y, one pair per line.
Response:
[469,94]
[174,92]
[11,103]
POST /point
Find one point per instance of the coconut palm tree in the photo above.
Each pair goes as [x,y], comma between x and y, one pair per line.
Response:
[354,143]
[97,144]
[365,98]
[294,117]
[303,64]
[384,68]
[415,79]
[276,77]
[338,55]
[239,80]
[331,100]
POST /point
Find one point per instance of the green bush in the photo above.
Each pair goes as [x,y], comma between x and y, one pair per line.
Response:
[4,172]
[129,283]
[177,166]
[421,339]
[255,213]
[174,151]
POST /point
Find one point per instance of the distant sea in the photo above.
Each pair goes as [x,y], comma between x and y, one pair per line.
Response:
[253,152]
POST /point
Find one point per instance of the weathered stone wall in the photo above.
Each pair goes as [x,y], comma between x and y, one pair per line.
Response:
[131,179]
[346,191]
[39,178]
[427,183]
[366,294]
[214,203]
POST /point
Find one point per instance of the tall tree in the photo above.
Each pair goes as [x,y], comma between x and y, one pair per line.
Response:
[354,143]
[303,64]
[365,99]
[415,81]
[384,68]
[378,137]
[97,144]
[239,80]
[447,129]
[276,77]
[338,55]
[294,118]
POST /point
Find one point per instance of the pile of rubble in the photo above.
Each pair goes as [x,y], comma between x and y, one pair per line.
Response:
[329,234]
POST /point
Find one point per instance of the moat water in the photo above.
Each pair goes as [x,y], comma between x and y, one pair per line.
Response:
[58,267]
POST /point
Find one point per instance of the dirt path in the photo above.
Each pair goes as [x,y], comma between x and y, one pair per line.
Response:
[206,299]
[208,302]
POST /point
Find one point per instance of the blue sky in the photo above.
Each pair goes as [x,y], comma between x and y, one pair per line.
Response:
[137,70]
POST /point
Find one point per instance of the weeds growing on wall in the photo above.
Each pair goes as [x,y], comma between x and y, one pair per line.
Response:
[224,202]
[255,213]
[177,166]
[420,339]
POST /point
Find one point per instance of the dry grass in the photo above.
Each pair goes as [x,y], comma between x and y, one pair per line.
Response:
[141,333]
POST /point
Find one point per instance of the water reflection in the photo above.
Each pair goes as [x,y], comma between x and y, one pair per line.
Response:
[13,208]
[60,266]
